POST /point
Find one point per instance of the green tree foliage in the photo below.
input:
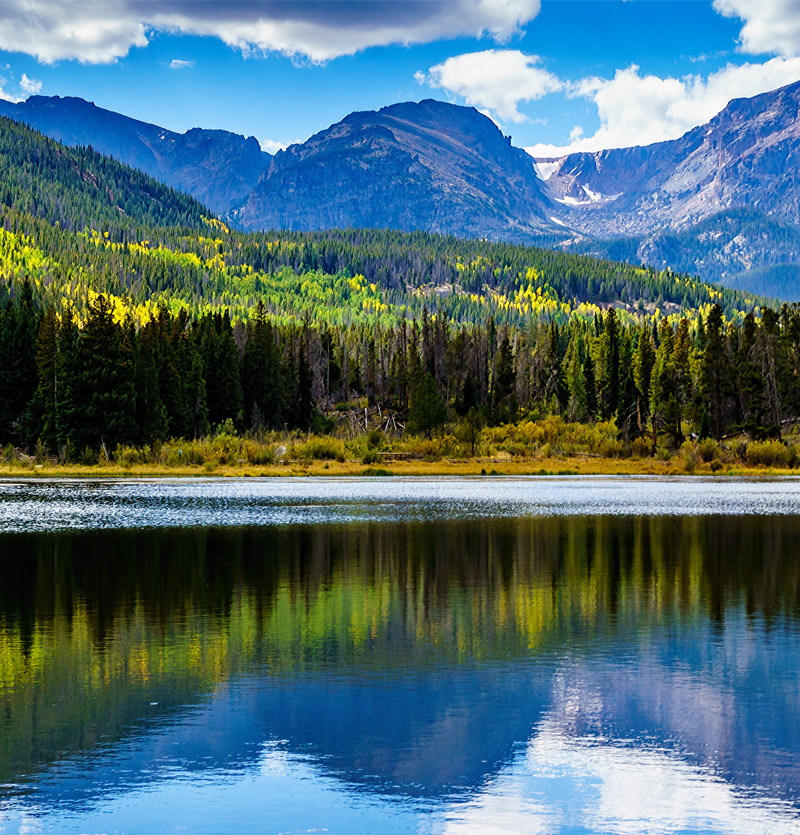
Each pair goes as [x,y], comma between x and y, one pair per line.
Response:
[101,388]
[18,372]
[427,410]
[262,377]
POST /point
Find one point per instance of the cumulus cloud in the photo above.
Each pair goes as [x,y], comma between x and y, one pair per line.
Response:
[495,80]
[272,146]
[636,109]
[101,31]
[4,96]
[30,85]
[769,26]
[180,64]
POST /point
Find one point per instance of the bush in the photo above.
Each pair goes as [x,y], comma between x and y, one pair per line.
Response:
[128,456]
[226,428]
[258,454]
[371,458]
[320,449]
[611,448]
[708,449]
[766,454]
[640,447]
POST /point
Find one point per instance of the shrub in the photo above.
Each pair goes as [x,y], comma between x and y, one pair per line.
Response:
[321,449]
[226,428]
[128,456]
[766,454]
[708,449]
[258,454]
[640,447]
[611,448]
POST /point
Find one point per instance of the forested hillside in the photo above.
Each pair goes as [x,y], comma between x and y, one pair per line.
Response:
[75,222]
[217,167]
[131,315]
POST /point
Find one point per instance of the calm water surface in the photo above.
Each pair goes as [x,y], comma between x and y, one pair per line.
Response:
[390,656]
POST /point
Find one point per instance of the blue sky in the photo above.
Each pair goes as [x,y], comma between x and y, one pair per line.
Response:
[555,75]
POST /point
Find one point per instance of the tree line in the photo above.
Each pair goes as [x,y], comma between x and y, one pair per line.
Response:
[69,388]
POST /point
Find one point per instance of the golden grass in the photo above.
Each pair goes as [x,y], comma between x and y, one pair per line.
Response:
[474,467]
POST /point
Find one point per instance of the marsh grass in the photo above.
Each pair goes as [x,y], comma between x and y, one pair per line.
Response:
[543,447]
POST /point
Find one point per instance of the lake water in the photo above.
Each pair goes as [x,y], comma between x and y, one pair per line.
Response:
[485,655]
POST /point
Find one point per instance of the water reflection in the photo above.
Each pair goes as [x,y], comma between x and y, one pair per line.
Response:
[553,674]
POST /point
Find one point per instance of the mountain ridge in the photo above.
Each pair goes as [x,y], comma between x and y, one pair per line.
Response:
[429,165]
[216,167]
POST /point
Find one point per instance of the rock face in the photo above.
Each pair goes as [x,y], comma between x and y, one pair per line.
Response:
[427,165]
[216,167]
[718,200]
[746,156]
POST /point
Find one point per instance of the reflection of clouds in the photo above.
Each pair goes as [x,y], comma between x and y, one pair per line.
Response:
[728,701]
[562,783]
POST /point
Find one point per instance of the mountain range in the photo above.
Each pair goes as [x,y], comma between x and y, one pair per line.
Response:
[722,201]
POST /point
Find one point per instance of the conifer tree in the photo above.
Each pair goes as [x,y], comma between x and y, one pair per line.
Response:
[262,382]
[427,409]
[609,347]
[18,371]
[105,381]
[43,411]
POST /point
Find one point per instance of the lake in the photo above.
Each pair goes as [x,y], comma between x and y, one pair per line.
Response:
[488,655]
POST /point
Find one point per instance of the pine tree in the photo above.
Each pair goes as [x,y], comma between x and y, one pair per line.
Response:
[590,383]
[104,382]
[504,400]
[427,410]
[609,351]
[43,412]
[714,371]
[262,383]
[18,370]
[644,358]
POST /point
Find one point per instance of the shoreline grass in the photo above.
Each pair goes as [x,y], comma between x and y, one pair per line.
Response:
[552,466]
[549,446]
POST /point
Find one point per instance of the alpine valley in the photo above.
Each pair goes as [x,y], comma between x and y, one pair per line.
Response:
[721,202]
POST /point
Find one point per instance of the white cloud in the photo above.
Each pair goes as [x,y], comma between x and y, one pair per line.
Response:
[101,31]
[497,80]
[180,64]
[30,85]
[4,96]
[88,31]
[636,109]
[272,146]
[770,26]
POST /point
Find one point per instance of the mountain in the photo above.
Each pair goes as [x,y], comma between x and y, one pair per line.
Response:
[74,221]
[427,165]
[217,167]
[722,200]
[71,190]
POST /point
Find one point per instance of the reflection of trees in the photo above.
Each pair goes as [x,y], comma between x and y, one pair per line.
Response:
[94,625]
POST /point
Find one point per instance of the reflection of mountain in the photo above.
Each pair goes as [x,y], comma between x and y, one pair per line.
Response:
[382,652]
